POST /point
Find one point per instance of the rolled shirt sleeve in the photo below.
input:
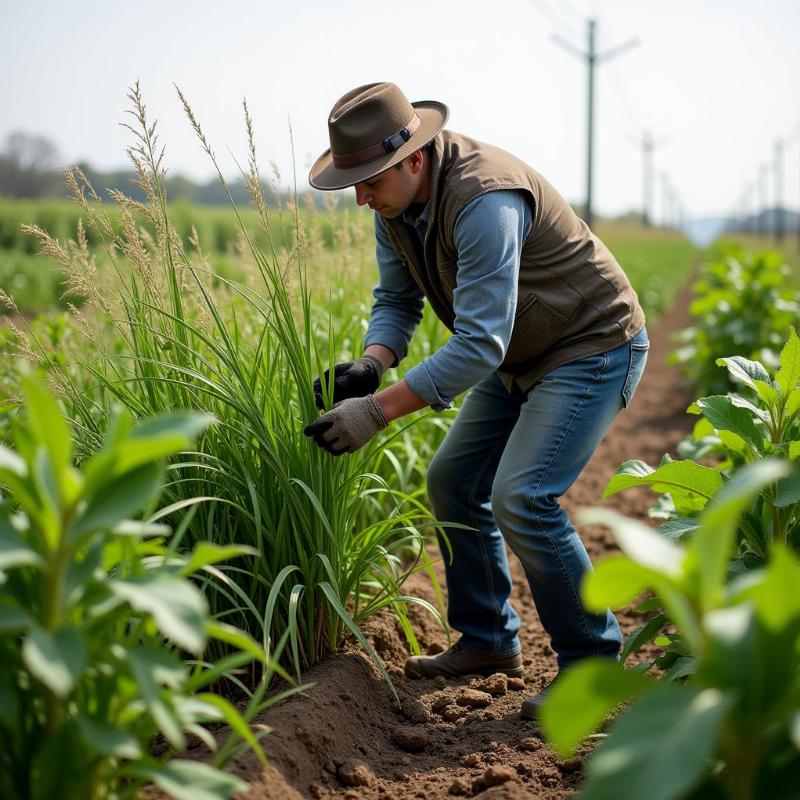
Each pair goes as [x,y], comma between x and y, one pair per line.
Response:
[489,234]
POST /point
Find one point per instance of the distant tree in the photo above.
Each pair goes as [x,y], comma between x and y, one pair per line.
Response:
[29,166]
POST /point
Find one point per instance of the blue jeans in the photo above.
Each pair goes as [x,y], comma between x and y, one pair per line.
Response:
[501,469]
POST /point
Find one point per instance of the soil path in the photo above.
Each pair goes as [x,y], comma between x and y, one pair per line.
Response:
[347,739]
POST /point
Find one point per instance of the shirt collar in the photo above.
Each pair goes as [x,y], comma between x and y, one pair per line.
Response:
[413,215]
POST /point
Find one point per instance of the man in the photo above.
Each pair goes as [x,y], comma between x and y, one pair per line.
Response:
[546,331]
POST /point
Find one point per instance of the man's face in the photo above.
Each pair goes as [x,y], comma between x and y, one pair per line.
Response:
[389,192]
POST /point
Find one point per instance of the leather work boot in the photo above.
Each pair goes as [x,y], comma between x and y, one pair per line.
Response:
[531,707]
[458,661]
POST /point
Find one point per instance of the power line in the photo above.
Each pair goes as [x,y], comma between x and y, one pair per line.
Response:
[591,57]
[555,20]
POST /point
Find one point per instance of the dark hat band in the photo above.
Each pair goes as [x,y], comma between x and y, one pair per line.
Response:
[388,145]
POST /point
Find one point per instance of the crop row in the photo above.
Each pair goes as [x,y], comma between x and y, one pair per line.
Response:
[718,574]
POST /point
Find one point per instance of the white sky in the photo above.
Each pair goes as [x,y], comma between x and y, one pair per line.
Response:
[717,80]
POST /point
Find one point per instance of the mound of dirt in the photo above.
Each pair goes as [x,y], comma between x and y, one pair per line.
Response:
[348,738]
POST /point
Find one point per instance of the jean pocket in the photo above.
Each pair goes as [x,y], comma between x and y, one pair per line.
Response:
[638,359]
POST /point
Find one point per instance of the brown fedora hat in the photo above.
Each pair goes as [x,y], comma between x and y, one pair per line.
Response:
[370,129]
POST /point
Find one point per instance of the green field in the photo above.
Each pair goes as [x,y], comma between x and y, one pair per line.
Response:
[339,241]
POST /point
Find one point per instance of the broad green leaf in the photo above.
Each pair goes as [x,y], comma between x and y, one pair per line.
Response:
[731,639]
[792,403]
[659,748]
[108,740]
[118,499]
[677,477]
[773,591]
[789,487]
[47,423]
[56,659]
[788,376]
[614,582]
[193,780]
[637,541]
[678,528]
[177,606]
[152,669]
[766,392]
[15,551]
[206,553]
[709,550]
[744,370]
[236,721]
[794,450]
[160,437]
[733,441]
[721,412]
[756,412]
[13,618]
[583,696]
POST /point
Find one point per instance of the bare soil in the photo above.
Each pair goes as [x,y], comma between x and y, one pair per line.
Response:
[347,738]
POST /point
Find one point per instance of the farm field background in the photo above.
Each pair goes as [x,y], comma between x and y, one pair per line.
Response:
[657,260]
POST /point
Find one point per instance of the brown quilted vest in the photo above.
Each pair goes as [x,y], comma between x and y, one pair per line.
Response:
[574,300]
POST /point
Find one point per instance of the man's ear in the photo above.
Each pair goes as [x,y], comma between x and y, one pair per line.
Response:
[416,161]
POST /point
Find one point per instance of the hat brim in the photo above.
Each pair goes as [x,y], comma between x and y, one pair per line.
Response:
[324,175]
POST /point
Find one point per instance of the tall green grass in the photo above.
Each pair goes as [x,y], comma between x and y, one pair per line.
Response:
[335,544]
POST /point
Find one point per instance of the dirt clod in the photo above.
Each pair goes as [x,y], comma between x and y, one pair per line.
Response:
[496,685]
[530,743]
[452,712]
[474,698]
[516,684]
[471,760]
[414,710]
[355,773]
[494,776]
[459,786]
[414,740]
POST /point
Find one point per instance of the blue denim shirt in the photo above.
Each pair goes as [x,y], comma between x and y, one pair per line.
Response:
[488,234]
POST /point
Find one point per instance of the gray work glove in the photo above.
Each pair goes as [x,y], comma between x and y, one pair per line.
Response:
[351,379]
[348,426]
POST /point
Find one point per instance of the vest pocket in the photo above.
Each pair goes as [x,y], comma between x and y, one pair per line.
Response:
[536,328]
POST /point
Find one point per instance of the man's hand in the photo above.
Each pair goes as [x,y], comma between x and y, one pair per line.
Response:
[351,379]
[348,426]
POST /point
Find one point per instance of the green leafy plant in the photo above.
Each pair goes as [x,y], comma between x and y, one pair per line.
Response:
[733,728]
[88,597]
[743,304]
[735,430]
[762,421]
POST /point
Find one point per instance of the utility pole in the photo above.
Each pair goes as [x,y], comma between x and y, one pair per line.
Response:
[592,57]
[761,218]
[779,228]
[648,145]
[666,201]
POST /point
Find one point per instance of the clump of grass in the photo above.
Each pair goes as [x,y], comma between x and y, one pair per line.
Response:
[333,540]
